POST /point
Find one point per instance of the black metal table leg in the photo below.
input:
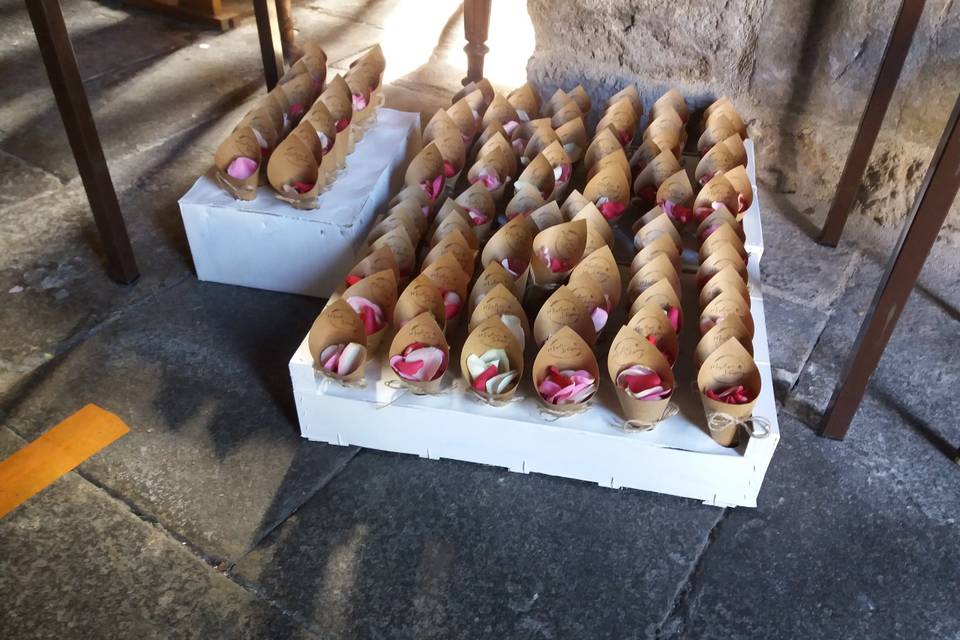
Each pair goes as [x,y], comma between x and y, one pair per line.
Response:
[61,64]
[271,47]
[890,65]
[930,209]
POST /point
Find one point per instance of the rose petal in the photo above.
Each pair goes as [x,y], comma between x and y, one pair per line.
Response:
[599,316]
[673,314]
[676,212]
[513,323]
[352,280]
[480,382]
[350,358]
[329,356]
[302,187]
[612,210]
[242,168]
[561,173]
[296,110]
[476,365]
[451,304]
[477,218]
[341,124]
[407,369]
[433,361]
[510,126]
[501,382]
[369,312]
[359,102]
[325,142]
[448,169]
[518,146]
[742,204]
[489,178]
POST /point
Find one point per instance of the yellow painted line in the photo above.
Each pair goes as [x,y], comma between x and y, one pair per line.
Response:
[57,451]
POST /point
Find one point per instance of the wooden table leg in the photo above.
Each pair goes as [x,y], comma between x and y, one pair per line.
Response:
[61,65]
[930,209]
[476,26]
[271,49]
[890,65]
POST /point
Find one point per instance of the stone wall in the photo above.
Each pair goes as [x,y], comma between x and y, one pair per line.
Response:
[800,72]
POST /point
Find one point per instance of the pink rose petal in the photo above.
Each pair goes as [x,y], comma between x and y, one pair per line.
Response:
[359,102]
[242,168]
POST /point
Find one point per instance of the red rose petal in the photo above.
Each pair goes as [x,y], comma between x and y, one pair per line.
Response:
[352,280]
[480,382]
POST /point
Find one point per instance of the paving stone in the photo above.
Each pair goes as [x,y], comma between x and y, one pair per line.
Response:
[792,331]
[79,564]
[837,549]
[794,265]
[200,376]
[19,180]
[918,368]
[402,547]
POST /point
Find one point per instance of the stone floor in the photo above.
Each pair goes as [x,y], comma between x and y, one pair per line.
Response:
[213,519]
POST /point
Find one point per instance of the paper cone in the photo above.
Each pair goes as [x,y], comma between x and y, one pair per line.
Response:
[721,215]
[579,95]
[526,100]
[500,143]
[573,135]
[667,132]
[308,135]
[546,216]
[538,140]
[425,330]
[658,227]
[617,160]
[729,365]
[373,58]
[729,327]
[389,223]
[560,162]
[583,286]
[265,129]
[741,183]
[539,175]
[494,162]
[563,309]
[484,137]
[443,131]
[656,173]
[420,296]
[567,113]
[477,197]
[492,334]
[630,93]
[454,222]
[338,323]
[500,110]
[722,236]
[661,294]
[724,107]
[726,279]
[337,99]
[483,86]
[293,162]
[672,99]
[719,128]
[726,304]
[650,321]
[402,247]
[456,244]
[629,349]
[447,275]
[492,275]
[465,119]
[665,246]
[604,143]
[677,189]
[644,155]
[556,101]
[716,161]
[498,302]
[564,242]
[380,288]
[380,259]
[660,268]
[621,116]
[513,240]
[722,256]
[573,204]
[241,142]
[601,266]
[425,166]
[299,93]
[564,350]
[412,209]
[313,62]
[609,183]
[525,201]
[596,222]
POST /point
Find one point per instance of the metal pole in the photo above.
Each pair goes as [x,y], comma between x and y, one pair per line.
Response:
[271,48]
[890,65]
[930,209]
[476,26]
[64,74]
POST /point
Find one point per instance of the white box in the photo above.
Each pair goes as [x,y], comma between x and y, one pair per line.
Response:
[677,457]
[267,244]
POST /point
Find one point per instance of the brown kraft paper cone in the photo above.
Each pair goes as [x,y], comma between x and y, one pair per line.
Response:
[603,144]
[609,183]
[726,304]
[564,350]
[513,240]
[566,113]
[403,250]
[563,309]
[381,289]
[546,216]
[622,118]
[628,349]
[741,183]
[724,236]
[241,142]
[591,294]
[423,329]
[500,110]
[564,242]
[525,101]
[573,204]
[377,260]
[660,294]
[660,226]
[456,245]
[723,256]
[492,334]
[573,135]
[660,268]
[539,175]
[579,95]
[729,327]
[644,155]
[664,245]
[293,162]
[602,267]
[650,321]
[491,276]
[672,99]
[420,296]
[656,172]
[729,365]
[497,303]
[720,215]
[526,199]
[595,221]
[338,323]
[617,160]
[727,279]
[630,93]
